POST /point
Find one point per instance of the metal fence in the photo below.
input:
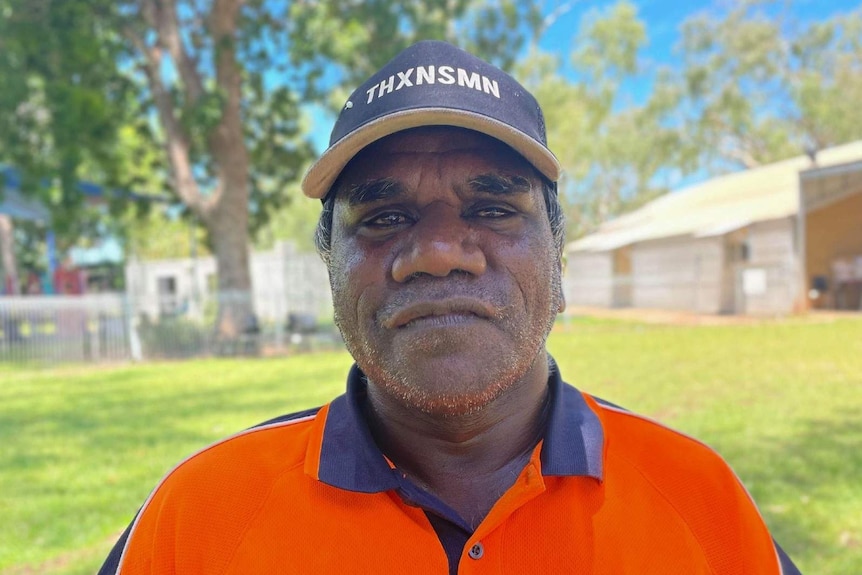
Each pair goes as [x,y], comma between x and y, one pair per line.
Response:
[115,327]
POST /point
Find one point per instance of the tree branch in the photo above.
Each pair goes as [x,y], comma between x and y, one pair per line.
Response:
[739,154]
[551,18]
[226,140]
[176,141]
[168,29]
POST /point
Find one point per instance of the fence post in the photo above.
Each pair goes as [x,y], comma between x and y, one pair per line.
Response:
[132,326]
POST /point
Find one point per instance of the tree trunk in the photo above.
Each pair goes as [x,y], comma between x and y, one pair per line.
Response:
[229,238]
[223,211]
[228,213]
[7,255]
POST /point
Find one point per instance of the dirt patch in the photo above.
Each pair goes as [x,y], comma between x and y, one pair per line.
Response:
[671,317]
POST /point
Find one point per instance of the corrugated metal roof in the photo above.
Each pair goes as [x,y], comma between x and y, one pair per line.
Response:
[19,206]
[13,204]
[718,205]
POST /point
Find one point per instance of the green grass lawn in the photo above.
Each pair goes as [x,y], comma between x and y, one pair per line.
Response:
[80,447]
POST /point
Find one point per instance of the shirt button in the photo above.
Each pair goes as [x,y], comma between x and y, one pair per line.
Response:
[476,551]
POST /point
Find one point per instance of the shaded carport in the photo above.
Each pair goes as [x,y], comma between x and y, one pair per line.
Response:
[830,236]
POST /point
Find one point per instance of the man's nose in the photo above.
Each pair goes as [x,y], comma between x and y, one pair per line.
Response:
[438,244]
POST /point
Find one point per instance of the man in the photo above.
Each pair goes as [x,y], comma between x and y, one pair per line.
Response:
[457,447]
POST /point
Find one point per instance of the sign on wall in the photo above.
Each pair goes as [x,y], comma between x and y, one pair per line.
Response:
[754,281]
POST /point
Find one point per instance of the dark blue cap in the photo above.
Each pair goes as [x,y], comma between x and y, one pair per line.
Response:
[434,84]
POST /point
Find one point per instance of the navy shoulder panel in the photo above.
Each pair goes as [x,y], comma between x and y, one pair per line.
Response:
[288,417]
[606,403]
[787,566]
[112,563]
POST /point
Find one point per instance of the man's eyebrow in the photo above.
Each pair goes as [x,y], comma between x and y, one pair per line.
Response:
[373,191]
[500,184]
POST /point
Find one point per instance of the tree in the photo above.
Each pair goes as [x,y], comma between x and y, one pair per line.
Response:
[296,224]
[8,261]
[359,37]
[61,103]
[218,86]
[612,149]
[756,86]
[752,86]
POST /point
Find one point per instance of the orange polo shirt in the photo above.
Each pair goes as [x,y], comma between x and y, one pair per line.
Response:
[605,492]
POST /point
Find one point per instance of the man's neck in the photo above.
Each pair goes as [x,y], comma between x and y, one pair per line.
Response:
[470,460]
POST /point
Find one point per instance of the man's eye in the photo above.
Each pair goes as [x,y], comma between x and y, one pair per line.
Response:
[493,212]
[386,220]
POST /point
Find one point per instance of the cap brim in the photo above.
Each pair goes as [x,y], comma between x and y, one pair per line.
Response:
[322,174]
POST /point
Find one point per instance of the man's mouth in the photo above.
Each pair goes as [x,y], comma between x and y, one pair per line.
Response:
[442,313]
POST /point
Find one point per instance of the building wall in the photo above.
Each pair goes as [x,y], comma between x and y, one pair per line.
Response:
[772,247]
[189,281]
[283,282]
[588,279]
[678,274]
[286,281]
[832,232]
[622,271]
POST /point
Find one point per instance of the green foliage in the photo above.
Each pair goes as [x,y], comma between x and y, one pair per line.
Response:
[83,73]
[607,45]
[756,86]
[62,104]
[828,82]
[297,223]
[752,86]
[337,44]
[155,236]
[173,338]
[611,149]
[81,447]
[29,248]
[359,37]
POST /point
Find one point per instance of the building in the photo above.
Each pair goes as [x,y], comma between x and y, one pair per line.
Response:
[14,204]
[829,228]
[97,267]
[284,282]
[169,311]
[14,207]
[762,241]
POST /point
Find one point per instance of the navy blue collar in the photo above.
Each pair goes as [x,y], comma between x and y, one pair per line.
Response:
[349,458]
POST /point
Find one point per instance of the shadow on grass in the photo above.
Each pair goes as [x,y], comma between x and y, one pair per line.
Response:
[83,451]
[808,486]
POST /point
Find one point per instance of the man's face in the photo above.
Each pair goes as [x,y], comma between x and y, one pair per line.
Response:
[444,272]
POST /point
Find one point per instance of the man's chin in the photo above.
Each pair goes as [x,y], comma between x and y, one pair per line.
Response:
[443,404]
[448,385]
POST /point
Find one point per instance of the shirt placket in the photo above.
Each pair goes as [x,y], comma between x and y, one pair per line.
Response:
[483,552]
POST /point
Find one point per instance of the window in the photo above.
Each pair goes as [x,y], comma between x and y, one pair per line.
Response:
[167,290]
